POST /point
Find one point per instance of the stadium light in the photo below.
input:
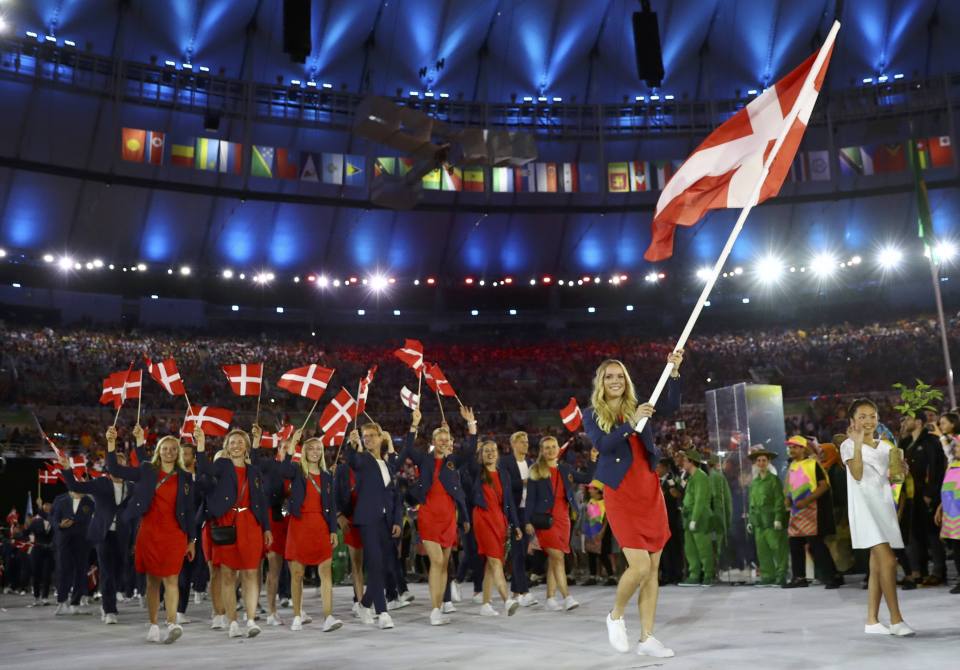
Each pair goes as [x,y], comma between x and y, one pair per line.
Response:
[945,251]
[234,308]
[474,312]
[824,265]
[65,263]
[889,258]
[3,253]
[48,258]
[591,310]
[769,269]
[323,282]
[361,312]
[378,283]
[142,267]
[279,310]
[185,270]
[513,312]
[97,263]
[227,274]
[629,308]
[396,312]
[703,274]
[651,278]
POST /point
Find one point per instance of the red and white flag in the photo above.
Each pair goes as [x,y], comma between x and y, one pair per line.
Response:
[309,381]
[132,385]
[47,477]
[113,389]
[278,439]
[212,420]
[723,171]
[437,381]
[79,465]
[338,414]
[334,437]
[365,389]
[571,416]
[409,399]
[166,374]
[245,378]
[411,353]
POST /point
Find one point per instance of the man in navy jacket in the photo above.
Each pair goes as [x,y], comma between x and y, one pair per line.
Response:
[518,467]
[70,519]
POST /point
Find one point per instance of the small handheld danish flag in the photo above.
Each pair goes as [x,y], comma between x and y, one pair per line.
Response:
[245,378]
[309,381]
[571,416]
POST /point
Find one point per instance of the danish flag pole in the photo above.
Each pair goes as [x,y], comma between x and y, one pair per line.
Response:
[787,125]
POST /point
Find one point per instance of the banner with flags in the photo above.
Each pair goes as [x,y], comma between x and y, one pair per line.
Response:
[546,177]
[618,178]
[934,152]
[451,178]
[589,177]
[473,179]
[639,176]
[231,157]
[431,180]
[261,161]
[665,171]
[502,179]
[309,170]
[182,155]
[133,142]
[333,169]
[569,180]
[811,166]
[287,166]
[353,172]
[385,165]
[525,179]
[205,157]
[154,148]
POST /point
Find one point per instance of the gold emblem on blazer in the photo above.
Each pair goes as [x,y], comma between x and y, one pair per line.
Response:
[450,465]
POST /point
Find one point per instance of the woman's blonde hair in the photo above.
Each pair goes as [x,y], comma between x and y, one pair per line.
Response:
[487,477]
[155,461]
[540,469]
[246,441]
[606,416]
[303,456]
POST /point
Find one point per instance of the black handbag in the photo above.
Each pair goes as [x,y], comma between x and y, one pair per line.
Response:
[227,534]
[543,520]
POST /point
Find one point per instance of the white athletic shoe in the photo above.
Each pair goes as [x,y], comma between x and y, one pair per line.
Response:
[448,608]
[219,622]
[153,635]
[356,610]
[235,629]
[384,622]
[455,595]
[285,602]
[252,629]
[397,605]
[331,624]
[174,633]
[306,618]
[74,610]
[61,609]
[876,629]
[109,619]
[487,610]
[274,620]
[510,606]
[617,634]
[366,615]
[653,647]
[570,604]
[902,630]
[527,600]
[197,597]
[297,624]
[407,597]
[552,605]
[437,618]
[183,619]
[477,598]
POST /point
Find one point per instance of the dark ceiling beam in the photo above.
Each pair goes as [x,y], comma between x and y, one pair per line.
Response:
[369,45]
[484,51]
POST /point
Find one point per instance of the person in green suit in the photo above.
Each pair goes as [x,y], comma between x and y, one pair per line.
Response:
[721,501]
[768,519]
[697,524]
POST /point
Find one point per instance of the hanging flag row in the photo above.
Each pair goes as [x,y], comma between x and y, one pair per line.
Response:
[932,152]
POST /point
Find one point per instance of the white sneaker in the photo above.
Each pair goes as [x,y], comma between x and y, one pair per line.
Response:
[653,647]
[366,615]
[297,624]
[876,629]
[356,610]
[274,620]
[235,629]
[527,600]
[396,605]
[103,615]
[902,629]
[306,618]
[74,610]
[510,607]
[174,633]
[455,595]
[437,618]
[197,597]
[407,597]
[552,605]
[285,602]
[570,604]
[617,634]
[153,635]
[219,622]
[183,619]
[252,629]
[109,619]
[384,622]
[477,598]
[120,598]
[448,608]
[331,624]
[487,610]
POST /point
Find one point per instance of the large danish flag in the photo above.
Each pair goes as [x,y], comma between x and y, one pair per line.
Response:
[723,171]
[48,477]
[113,389]
[411,353]
[338,414]
[571,416]
[245,378]
[167,375]
[309,381]
[212,420]
[364,389]
[437,381]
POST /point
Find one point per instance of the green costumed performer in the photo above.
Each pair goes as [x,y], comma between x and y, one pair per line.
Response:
[721,501]
[697,524]
[768,520]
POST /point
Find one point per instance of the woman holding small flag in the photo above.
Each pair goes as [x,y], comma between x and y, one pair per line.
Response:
[627,470]
[163,501]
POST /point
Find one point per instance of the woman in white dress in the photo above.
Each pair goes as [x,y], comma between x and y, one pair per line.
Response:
[873,514]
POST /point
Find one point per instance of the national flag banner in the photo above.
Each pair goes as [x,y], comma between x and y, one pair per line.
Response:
[811,166]
[245,379]
[502,178]
[618,178]
[451,178]
[287,166]
[113,389]
[166,374]
[331,439]
[525,179]
[546,177]
[569,178]
[723,172]
[639,176]
[333,169]
[212,420]
[665,171]
[154,149]
[308,167]
[134,141]
[409,399]
[589,177]
[934,152]
[855,162]
[411,353]
[887,158]
[132,384]
[78,465]
[404,165]
[571,416]
[364,389]
[338,414]
[924,218]
[431,180]
[231,157]
[47,477]
[437,381]
[310,381]
[384,165]
[353,170]
[181,155]
[473,179]
[205,157]
[261,161]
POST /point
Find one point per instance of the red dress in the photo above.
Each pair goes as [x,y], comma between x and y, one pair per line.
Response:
[161,543]
[636,510]
[279,528]
[352,536]
[308,538]
[558,535]
[490,525]
[246,552]
[437,517]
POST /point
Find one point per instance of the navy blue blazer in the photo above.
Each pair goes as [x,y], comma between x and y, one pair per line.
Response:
[221,488]
[298,491]
[449,472]
[478,500]
[540,495]
[63,509]
[509,463]
[614,447]
[42,536]
[106,510]
[375,502]
[146,478]
[342,489]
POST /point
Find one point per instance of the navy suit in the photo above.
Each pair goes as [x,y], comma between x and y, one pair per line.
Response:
[222,488]
[41,556]
[518,550]
[72,546]
[110,544]
[342,490]
[146,477]
[540,495]
[193,573]
[614,447]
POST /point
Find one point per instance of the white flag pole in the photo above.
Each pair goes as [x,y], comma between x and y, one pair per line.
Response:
[742,219]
